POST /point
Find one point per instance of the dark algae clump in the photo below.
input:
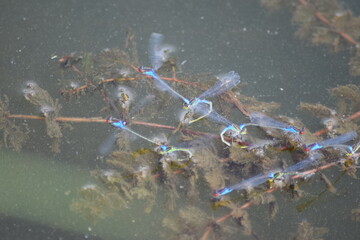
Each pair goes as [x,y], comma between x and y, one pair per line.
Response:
[206,169]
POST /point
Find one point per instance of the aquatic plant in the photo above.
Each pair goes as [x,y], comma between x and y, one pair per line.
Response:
[178,177]
[324,22]
[306,232]
[12,135]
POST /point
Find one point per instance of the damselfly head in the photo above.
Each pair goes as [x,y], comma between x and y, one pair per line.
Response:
[145,70]
[141,69]
[243,131]
[216,194]
[109,119]
[164,148]
[307,147]
[293,129]
[271,175]
[302,131]
[186,106]
[221,192]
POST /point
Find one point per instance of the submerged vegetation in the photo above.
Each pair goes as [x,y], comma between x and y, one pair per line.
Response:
[151,174]
[325,22]
[12,135]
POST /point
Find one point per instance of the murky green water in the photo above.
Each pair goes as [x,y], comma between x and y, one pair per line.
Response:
[212,37]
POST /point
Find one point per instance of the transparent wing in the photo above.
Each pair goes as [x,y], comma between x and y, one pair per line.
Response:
[311,161]
[203,109]
[346,137]
[155,43]
[107,145]
[336,142]
[265,121]
[162,86]
[226,82]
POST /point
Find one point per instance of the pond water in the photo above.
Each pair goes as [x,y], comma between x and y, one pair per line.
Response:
[49,195]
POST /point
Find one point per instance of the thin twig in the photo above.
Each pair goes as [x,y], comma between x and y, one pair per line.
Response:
[349,118]
[328,23]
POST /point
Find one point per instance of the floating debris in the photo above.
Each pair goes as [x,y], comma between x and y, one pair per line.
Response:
[95,203]
[49,108]
[307,232]
[349,96]
[324,22]
[13,136]
[355,215]
[330,187]
[317,110]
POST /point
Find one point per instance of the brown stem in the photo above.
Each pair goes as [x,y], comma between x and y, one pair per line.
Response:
[328,23]
[101,120]
[349,118]
[232,99]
